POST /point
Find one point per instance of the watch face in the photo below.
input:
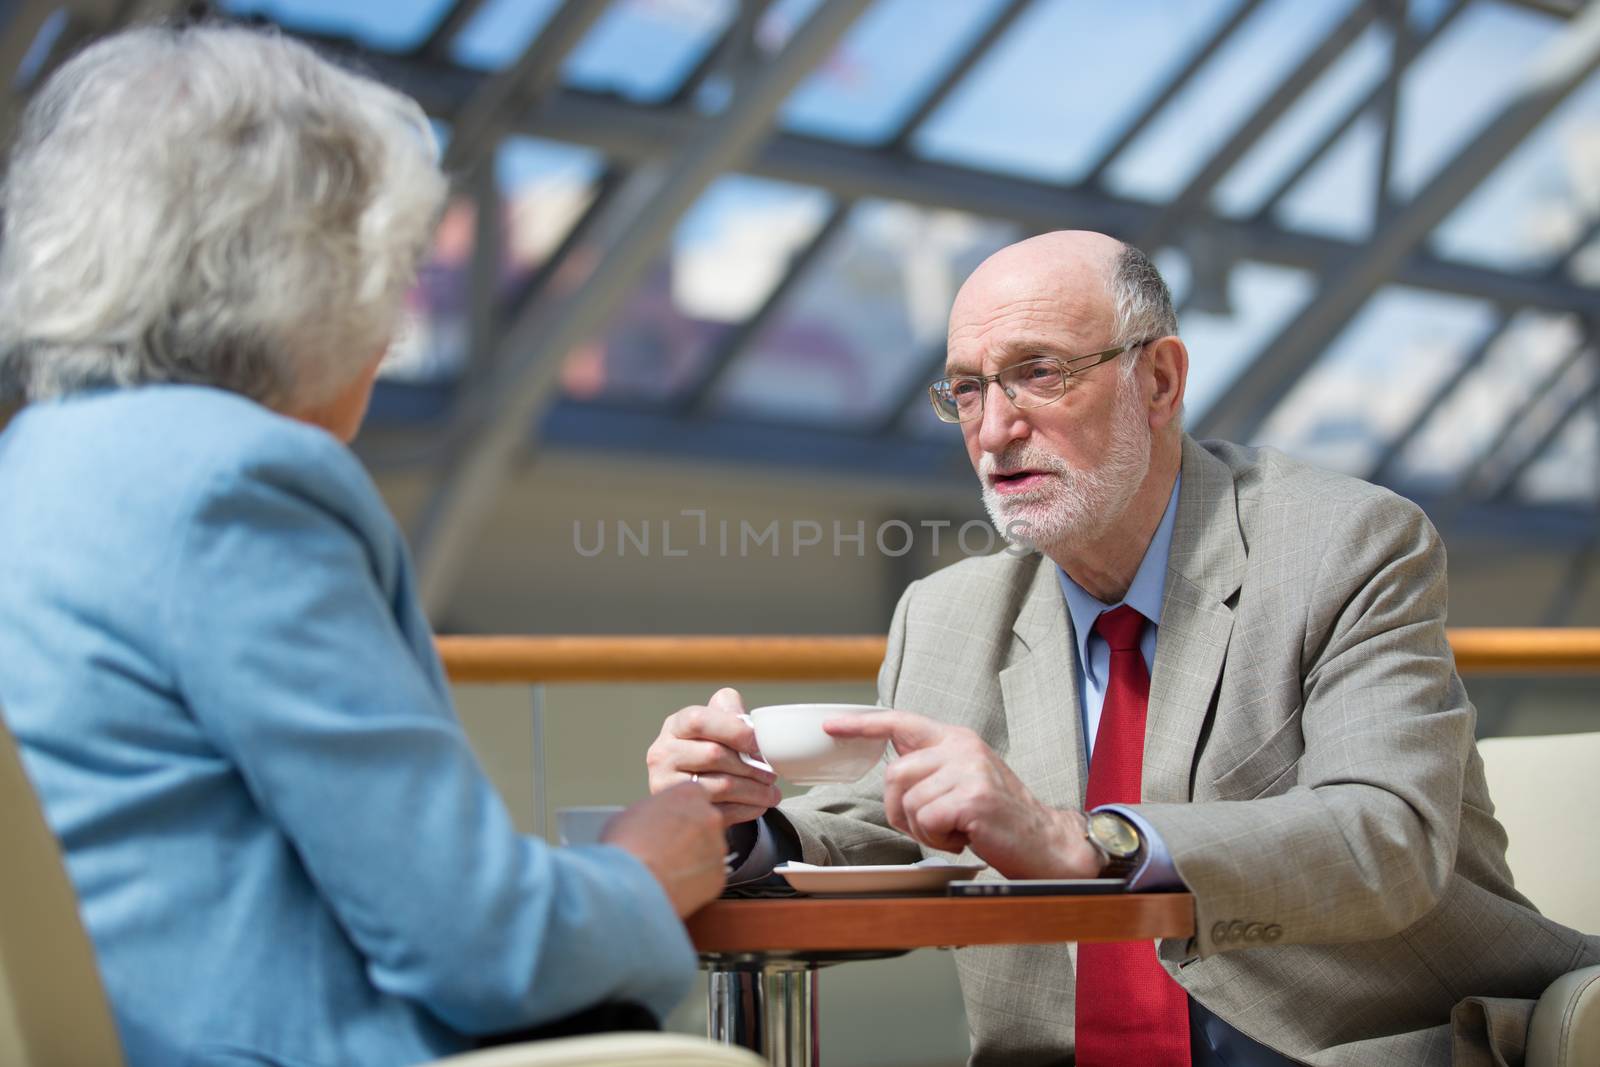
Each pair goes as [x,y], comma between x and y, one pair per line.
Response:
[1113,834]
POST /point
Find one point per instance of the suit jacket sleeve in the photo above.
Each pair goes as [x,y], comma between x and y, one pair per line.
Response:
[1361,845]
[845,824]
[302,658]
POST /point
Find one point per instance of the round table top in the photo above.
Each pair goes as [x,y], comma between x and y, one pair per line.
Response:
[825,924]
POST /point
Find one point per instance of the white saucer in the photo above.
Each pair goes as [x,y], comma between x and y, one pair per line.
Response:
[891,878]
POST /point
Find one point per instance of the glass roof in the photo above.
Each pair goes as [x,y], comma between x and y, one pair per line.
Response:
[1568,473]
[1541,200]
[1460,82]
[718,327]
[1338,197]
[500,31]
[391,26]
[1407,339]
[544,189]
[866,322]
[1261,298]
[728,254]
[1246,186]
[1232,84]
[872,81]
[1059,86]
[1526,353]
[643,49]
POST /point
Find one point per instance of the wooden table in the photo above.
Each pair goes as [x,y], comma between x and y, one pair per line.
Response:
[763,955]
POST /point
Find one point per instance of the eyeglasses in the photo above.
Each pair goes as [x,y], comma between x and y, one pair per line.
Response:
[1033,383]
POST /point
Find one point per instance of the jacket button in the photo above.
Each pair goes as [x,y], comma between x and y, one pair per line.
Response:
[1272,933]
[1252,932]
[1236,931]
[1219,932]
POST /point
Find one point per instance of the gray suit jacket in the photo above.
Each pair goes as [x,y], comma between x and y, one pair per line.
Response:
[1309,761]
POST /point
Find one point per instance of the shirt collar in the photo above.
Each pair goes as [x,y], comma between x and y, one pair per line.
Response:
[1144,595]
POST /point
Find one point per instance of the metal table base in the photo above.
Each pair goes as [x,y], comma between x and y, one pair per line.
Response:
[767,1001]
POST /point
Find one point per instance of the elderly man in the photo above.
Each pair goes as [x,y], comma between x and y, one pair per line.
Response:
[1235,662]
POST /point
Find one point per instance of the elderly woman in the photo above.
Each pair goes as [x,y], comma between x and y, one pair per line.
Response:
[210,649]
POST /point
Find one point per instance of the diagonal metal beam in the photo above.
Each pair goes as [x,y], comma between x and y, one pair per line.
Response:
[1372,100]
[1480,472]
[1174,85]
[956,72]
[534,346]
[486,116]
[698,398]
[701,396]
[1240,411]
[1501,487]
[1192,200]
[1382,467]
[442,36]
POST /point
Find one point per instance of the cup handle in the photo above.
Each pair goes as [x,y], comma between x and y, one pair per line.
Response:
[749,760]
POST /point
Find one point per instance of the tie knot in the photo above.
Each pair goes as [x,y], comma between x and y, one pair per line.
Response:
[1121,627]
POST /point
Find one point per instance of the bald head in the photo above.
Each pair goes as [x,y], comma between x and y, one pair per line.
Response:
[1085,289]
[1070,270]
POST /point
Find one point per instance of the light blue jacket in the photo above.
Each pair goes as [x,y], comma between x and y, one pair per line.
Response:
[229,701]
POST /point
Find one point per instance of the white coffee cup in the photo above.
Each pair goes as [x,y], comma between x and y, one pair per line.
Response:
[796,747]
[584,825]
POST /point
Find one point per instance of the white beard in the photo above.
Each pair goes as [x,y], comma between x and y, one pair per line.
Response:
[1075,505]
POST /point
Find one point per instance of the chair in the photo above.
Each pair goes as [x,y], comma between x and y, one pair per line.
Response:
[1545,790]
[53,1009]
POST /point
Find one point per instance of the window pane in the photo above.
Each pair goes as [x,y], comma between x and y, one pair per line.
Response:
[1055,91]
[1222,96]
[1339,196]
[1462,429]
[1540,200]
[500,31]
[1261,297]
[873,81]
[1292,138]
[643,49]
[728,253]
[1568,472]
[1462,81]
[544,188]
[859,329]
[389,25]
[1370,382]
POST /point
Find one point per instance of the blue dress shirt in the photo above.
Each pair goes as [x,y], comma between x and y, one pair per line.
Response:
[1094,664]
[229,702]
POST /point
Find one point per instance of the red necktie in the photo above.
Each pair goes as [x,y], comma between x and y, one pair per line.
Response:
[1130,1011]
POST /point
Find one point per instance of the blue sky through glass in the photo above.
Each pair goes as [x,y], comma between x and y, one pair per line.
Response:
[1056,90]
[500,32]
[389,25]
[872,80]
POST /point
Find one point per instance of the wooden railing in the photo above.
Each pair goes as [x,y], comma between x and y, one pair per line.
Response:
[815,659]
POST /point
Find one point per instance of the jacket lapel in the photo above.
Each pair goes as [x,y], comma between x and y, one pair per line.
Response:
[1204,571]
[1040,691]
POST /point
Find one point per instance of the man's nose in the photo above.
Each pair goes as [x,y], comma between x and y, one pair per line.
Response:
[1001,421]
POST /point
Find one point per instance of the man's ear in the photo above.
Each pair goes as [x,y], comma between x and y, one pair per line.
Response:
[1169,366]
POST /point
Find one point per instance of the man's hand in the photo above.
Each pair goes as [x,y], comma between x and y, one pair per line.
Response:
[678,835]
[705,741]
[949,790]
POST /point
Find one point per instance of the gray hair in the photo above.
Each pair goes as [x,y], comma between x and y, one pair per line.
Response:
[1142,302]
[211,205]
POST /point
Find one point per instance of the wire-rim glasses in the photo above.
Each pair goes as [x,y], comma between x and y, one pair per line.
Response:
[1033,383]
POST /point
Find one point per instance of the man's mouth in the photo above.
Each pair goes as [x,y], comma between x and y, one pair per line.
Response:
[1017,481]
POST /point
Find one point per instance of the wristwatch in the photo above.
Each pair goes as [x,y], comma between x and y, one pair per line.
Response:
[1118,842]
